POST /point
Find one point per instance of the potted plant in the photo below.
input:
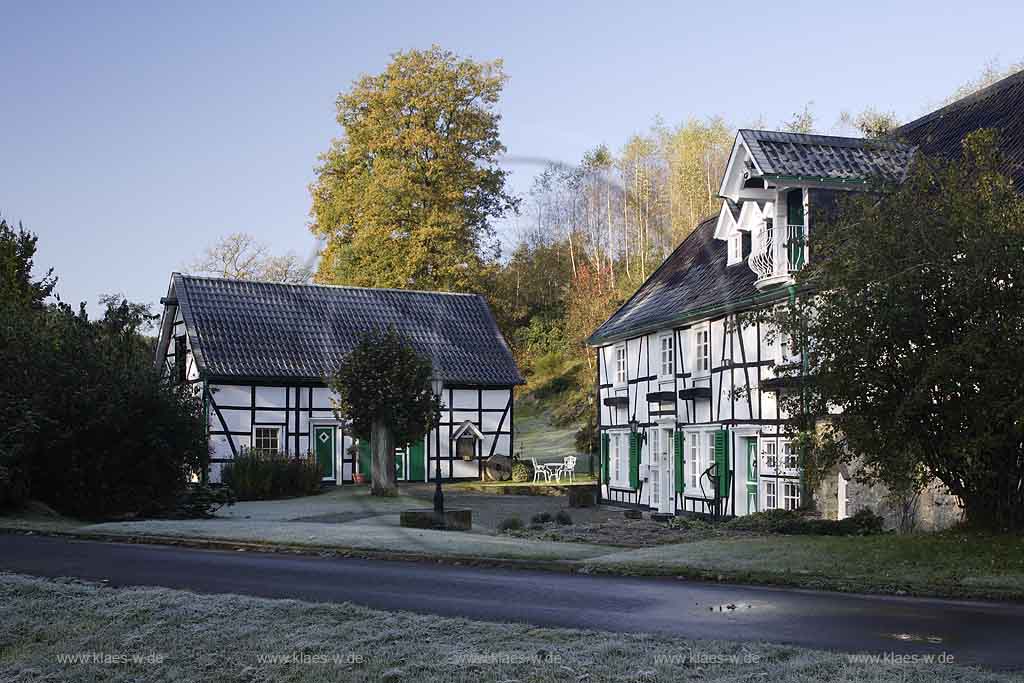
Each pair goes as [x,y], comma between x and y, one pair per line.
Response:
[358,478]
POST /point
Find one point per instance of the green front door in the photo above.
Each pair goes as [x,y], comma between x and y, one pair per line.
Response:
[751,475]
[417,463]
[323,437]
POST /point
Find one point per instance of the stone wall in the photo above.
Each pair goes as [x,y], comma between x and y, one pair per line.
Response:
[935,508]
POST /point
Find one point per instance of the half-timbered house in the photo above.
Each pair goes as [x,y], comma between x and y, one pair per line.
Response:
[259,354]
[687,393]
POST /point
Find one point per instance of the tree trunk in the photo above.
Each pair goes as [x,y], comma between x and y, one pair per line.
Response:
[382,446]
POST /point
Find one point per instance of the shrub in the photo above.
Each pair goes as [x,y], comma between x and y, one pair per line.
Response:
[796,522]
[264,475]
[13,487]
[196,501]
[541,518]
[522,471]
[563,518]
[510,524]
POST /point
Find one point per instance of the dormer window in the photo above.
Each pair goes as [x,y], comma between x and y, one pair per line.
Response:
[735,248]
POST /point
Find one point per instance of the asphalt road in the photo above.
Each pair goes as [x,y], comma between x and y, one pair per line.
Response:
[988,634]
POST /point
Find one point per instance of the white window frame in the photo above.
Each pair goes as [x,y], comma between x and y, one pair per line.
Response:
[621,366]
[791,495]
[667,365]
[789,459]
[277,437]
[618,445]
[701,335]
[769,455]
[693,461]
[699,453]
[735,242]
[771,494]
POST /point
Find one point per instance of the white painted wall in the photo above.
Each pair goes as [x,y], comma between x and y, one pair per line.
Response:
[741,357]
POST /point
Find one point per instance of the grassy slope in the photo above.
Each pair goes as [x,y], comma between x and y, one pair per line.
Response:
[536,436]
[223,638]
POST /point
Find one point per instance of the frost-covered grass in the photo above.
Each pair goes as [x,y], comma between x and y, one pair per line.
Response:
[375,534]
[953,563]
[180,636]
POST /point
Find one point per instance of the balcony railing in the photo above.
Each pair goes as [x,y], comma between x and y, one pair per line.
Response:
[774,259]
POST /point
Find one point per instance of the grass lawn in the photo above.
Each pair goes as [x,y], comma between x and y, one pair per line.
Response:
[149,634]
[946,564]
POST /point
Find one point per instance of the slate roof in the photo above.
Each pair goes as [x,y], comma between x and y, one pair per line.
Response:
[263,330]
[1001,106]
[826,158]
[694,281]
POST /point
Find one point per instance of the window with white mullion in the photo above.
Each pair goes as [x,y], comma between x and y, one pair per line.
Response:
[771,495]
[791,495]
[693,461]
[620,364]
[702,350]
[620,451]
[668,355]
[267,439]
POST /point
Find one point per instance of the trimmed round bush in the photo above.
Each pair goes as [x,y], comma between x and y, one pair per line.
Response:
[522,471]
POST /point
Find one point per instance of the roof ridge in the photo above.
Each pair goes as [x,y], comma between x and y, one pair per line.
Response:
[971,98]
[320,285]
[817,137]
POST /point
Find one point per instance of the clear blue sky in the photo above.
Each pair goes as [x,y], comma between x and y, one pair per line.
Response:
[131,136]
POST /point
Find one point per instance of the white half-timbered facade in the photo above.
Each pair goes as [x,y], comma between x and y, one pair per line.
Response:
[259,354]
[687,393]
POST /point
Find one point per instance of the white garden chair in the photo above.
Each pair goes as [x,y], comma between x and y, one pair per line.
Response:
[540,471]
[568,468]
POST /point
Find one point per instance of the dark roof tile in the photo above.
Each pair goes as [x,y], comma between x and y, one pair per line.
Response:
[999,106]
[693,279]
[826,157]
[301,332]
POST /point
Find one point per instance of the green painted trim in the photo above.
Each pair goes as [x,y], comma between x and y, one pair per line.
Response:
[680,464]
[722,462]
[814,179]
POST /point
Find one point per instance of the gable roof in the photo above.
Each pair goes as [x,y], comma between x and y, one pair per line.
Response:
[693,282]
[1000,106]
[825,158]
[273,331]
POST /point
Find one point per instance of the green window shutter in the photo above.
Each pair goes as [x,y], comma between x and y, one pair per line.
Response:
[634,461]
[722,462]
[605,448]
[680,463]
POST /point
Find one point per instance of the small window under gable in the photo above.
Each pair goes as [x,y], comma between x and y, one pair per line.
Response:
[667,350]
[620,364]
[735,248]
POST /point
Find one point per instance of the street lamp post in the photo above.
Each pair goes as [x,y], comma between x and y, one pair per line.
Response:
[437,386]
